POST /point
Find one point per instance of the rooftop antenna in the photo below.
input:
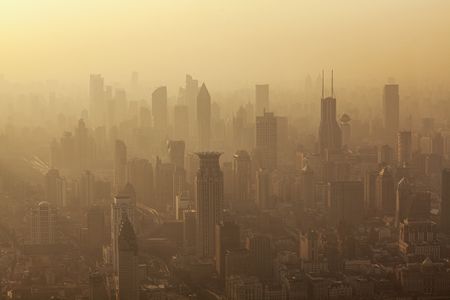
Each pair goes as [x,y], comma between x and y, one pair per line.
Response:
[332,90]
[323,84]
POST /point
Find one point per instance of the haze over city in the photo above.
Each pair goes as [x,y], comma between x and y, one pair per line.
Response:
[233,150]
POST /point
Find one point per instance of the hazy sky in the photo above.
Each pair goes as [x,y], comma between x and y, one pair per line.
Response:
[232,42]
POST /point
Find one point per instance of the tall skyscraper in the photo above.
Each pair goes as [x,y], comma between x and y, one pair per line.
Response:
[404,148]
[391,111]
[330,136]
[385,192]
[209,198]
[127,276]
[159,110]
[261,99]
[242,172]
[120,165]
[140,175]
[43,224]
[261,260]
[87,188]
[55,188]
[445,202]
[266,140]
[204,118]
[122,206]
[227,238]
[190,95]
[96,98]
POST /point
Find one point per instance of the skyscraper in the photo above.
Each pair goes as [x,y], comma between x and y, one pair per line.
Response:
[190,99]
[261,99]
[209,198]
[346,202]
[96,98]
[176,153]
[204,118]
[385,192]
[261,261]
[140,175]
[159,110]
[242,172]
[120,165]
[266,140]
[122,206]
[127,276]
[404,148]
[391,104]
[263,189]
[307,186]
[181,122]
[87,189]
[330,136]
[227,238]
[403,203]
[95,231]
[445,202]
[55,188]
[43,224]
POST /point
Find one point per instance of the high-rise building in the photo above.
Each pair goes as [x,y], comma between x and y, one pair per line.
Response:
[227,238]
[164,184]
[122,206]
[96,98]
[404,148]
[391,111]
[43,224]
[346,129]
[386,155]
[120,165]
[176,150]
[385,192]
[190,99]
[181,122]
[309,246]
[190,229]
[263,189]
[346,202]
[242,172]
[127,276]
[261,261]
[370,190]
[159,110]
[96,234]
[266,140]
[330,136]
[209,202]
[87,189]
[307,187]
[404,197]
[204,118]
[261,99]
[445,202]
[140,175]
[55,188]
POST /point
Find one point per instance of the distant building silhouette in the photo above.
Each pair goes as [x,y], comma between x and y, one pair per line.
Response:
[204,118]
[391,111]
[261,99]
[266,140]
[43,224]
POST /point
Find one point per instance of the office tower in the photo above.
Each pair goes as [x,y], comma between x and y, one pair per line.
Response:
[307,187]
[391,112]
[97,286]
[190,229]
[96,98]
[87,189]
[385,155]
[190,95]
[227,238]
[266,140]
[127,261]
[55,188]
[370,191]
[176,150]
[181,122]
[404,148]
[43,224]
[330,135]
[346,202]
[261,99]
[260,248]
[204,118]
[242,172]
[122,206]
[182,203]
[164,185]
[445,202]
[120,165]
[263,189]
[404,198]
[385,192]
[159,110]
[209,201]
[346,129]
[96,234]
[140,176]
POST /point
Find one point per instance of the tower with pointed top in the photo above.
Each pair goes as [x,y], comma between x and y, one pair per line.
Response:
[204,118]
[127,281]
[330,136]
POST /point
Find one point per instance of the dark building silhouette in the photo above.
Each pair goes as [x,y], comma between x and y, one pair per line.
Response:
[266,140]
[227,238]
[127,279]
[204,118]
